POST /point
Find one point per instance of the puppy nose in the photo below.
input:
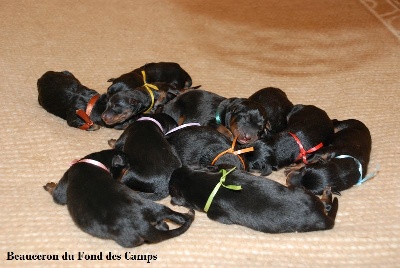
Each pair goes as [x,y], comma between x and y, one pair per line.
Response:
[247,137]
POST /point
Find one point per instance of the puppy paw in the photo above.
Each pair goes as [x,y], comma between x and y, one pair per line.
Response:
[50,187]
[111,143]
[265,171]
[326,198]
[94,127]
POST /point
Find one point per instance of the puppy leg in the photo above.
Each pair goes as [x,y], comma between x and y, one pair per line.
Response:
[147,187]
[331,205]
[162,226]
[50,187]
[111,143]
[58,190]
[293,167]
[219,216]
[326,198]
[129,240]
[175,217]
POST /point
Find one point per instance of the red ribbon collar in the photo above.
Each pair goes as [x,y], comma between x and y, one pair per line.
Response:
[85,115]
[303,153]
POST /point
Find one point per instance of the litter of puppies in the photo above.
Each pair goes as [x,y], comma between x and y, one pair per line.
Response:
[204,150]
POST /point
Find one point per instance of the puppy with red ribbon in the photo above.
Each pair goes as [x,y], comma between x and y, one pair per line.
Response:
[308,129]
[341,164]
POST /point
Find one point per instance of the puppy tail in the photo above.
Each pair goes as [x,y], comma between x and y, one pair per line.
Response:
[160,235]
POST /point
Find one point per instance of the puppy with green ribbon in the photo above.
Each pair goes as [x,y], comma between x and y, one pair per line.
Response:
[232,196]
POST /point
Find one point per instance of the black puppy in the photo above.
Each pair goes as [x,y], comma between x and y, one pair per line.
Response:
[341,165]
[204,146]
[233,117]
[152,159]
[277,106]
[103,207]
[127,104]
[168,72]
[308,129]
[61,94]
[255,202]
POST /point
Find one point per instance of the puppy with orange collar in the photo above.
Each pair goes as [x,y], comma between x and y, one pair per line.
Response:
[61,94]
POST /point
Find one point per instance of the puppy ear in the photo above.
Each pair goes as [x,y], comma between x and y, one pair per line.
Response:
[294,110]
[225,110]
[111,80]
[119,161]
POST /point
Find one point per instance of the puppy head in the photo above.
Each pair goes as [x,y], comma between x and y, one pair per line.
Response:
[123,105]
[57,80]
[311,178]
[246,119]
[125,82]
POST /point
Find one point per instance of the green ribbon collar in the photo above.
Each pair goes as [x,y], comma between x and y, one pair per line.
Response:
[221,183]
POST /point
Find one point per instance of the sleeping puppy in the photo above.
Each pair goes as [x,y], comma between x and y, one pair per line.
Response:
[277,106]
[61,94]
[167,72]
[248,200]
[125,105]
[233,117]
[339,163]
[204,146]
[308,129]
[152,159]
[105,208]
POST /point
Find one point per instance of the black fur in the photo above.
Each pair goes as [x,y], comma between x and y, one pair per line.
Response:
[199,145]
[239,117]
[152,159]
[127,104]
[262,204]
[103,207]
[309,123]
[168,72]
[277,106]
[352,138]
[61,94]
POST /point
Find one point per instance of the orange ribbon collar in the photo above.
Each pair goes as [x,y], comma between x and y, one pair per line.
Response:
[303,153]
[232,151]
[85,115]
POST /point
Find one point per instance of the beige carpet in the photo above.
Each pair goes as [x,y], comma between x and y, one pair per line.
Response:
[343,56]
